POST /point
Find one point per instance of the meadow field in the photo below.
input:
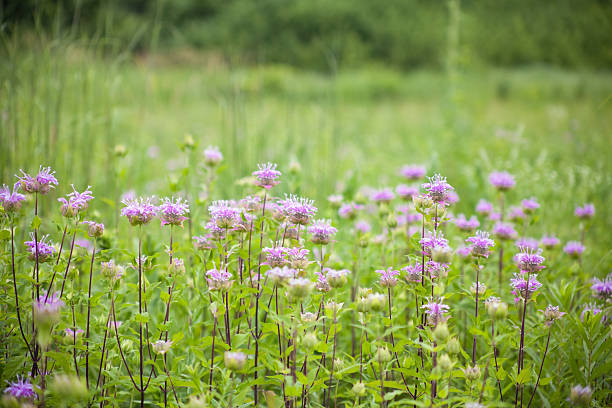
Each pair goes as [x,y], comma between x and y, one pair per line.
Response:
[255,302]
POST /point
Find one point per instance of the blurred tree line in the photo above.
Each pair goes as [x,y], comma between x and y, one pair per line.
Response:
[324,34]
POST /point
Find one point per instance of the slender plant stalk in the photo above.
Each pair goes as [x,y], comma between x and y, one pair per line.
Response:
[25,340]
[476,313]
[141,366]
[212,354]
[501,396]
[331,371]
[541,366]
[257,334]
[93,253]
[76,223]
[522,343]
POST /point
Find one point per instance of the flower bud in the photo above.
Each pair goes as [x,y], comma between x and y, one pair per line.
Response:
[441,333]
[472,373]
[188,142]
[95,229]
[581,396]
[69,389]
[359,389]
[161,347]
[391,221]
[339,364]
[299,288]
[120,150]
[196,401]
[422,202]
[445,363]
[453,346]
[376,301]
[310,340]
[442,254]
[439,212]
[383,354]
[295,167]
[235,361]
[177,267]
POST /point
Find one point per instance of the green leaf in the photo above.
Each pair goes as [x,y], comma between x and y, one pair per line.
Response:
[5,234]
[36,221]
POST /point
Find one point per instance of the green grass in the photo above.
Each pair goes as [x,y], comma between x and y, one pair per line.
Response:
[68,108]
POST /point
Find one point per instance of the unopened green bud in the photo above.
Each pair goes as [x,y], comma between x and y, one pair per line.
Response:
[197,401]
[453,346]
[441,333]
[422,202]
[120,150]
[235,361]
[442,254]
[359,389]
[339,364]
[69,389]
[309,340]
[377,301]
[472,373]
[445,363]
[383,354]
[391,221]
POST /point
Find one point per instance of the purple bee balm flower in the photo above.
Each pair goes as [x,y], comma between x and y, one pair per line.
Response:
[592,309]
[504,231]
[216,233]
[467,225]
[224,214]
[406,192]
[363,227]
[484,207]
[523,288]
[45,249]
[280,276]
[219,279]
[436,311]
[267,175]
[321,232]
[71,333]
[276,256]
[42,183]
[388,277]
[349,210]
[11,202]
[335,200]
[212,156]
[552,313]
[437,188]
[516,213]
[172,211]
[530,260]
[244,222]
[431,240]
[464,252]
[501,180]
[203,242]
[298,210]
[549,241]
[451,198]
[574,249]
[413,171]
[527,242]
[139,211]
[251,204]
[322,285]
[47,308]
[436,269]
[530,205]
[585,212]
[298,258]
[384,195]
[76,202]
[602,289]
[21,389]
[413,272]
[495,216]
[480,244]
